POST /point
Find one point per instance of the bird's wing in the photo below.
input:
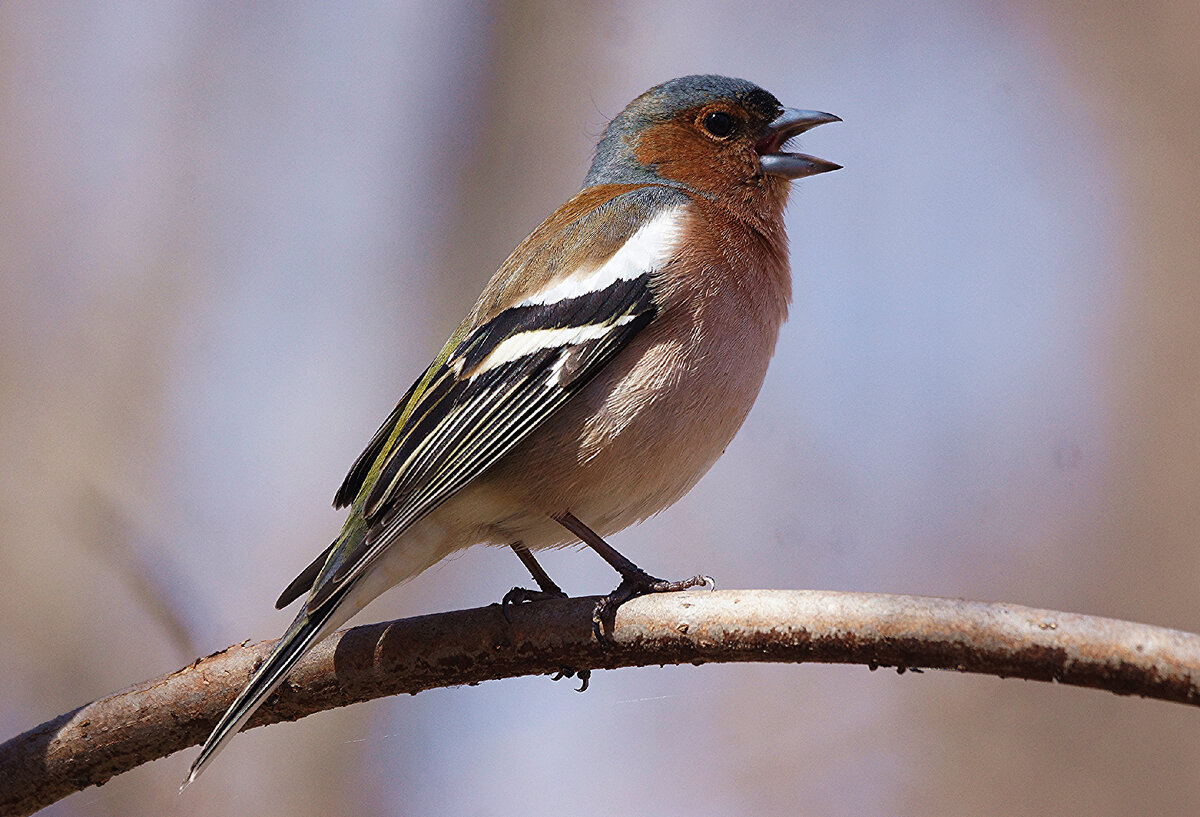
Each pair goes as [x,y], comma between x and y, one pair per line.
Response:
[523,354]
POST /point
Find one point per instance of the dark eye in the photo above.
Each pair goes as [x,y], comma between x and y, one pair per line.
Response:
[719,124]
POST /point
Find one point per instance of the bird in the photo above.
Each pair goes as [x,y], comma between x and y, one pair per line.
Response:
[604,368]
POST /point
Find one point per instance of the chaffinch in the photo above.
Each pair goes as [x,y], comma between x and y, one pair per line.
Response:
[605,367]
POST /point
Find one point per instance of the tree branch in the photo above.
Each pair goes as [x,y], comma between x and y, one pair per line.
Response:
[154,719]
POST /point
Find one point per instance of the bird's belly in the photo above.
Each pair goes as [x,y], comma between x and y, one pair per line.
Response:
[634,441]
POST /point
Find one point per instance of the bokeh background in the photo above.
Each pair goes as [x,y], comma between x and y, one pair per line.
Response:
[231,235]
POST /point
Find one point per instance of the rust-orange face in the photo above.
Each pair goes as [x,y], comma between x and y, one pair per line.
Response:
[714,135]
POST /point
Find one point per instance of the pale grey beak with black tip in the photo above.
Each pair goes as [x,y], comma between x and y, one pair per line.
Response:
[792,122]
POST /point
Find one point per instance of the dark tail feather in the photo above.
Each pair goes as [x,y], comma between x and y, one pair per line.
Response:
[304,582]
[303,633]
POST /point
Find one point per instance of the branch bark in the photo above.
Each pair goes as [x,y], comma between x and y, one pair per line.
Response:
[159,717]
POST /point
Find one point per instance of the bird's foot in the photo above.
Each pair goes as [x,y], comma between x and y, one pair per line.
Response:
[520,595]
[632,585]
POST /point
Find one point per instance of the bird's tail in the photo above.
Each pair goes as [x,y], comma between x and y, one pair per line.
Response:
[308,628]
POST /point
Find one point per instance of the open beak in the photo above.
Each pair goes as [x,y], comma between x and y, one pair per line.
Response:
[792,122]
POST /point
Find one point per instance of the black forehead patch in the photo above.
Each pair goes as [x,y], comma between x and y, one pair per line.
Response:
[664,101]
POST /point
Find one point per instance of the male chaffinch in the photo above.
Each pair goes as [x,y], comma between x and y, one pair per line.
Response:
[605,367]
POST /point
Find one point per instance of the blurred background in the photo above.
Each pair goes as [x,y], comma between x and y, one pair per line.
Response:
[232,234]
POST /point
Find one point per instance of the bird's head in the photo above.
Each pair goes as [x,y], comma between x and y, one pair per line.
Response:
[719,136]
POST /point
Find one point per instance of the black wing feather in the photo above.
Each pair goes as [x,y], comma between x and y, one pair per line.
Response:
[362,466]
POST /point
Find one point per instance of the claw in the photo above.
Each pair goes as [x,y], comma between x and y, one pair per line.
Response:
[521,595]
[632,586]
[584,675]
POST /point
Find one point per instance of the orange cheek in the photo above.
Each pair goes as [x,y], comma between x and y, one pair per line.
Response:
[682,155]
[720,169]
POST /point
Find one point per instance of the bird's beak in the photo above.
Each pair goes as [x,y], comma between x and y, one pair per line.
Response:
[792,122]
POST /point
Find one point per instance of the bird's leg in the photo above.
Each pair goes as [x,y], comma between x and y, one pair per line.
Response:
[634,581]
[547,589]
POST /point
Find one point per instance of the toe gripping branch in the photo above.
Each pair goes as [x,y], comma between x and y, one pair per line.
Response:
[634,582]
[547,589]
